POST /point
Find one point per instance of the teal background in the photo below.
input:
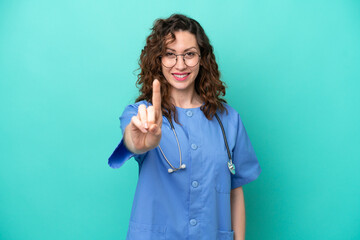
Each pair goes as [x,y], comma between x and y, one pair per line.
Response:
[67,70]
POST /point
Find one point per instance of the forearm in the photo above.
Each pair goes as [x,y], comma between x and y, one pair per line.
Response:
[238,213]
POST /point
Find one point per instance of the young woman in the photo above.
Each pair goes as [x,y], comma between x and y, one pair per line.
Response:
[193,151]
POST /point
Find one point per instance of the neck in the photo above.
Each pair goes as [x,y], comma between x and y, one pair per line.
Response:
[186,99]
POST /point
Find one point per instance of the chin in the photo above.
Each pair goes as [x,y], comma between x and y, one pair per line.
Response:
[181,86]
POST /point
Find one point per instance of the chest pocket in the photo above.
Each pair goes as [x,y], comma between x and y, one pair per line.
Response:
[223,189]
[225,235]
[223,175]
[139,231]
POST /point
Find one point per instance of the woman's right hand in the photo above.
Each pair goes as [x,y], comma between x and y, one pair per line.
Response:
[144,131]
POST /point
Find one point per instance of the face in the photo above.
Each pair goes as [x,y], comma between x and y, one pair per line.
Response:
[180,76]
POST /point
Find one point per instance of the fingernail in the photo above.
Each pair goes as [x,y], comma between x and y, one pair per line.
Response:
[146,125]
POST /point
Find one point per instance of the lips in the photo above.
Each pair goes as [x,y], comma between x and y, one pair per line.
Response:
[180,76]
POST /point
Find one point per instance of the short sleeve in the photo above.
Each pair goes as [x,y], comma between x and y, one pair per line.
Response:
[121,154]
[247,167]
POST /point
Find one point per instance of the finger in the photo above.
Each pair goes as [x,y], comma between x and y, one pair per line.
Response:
[137,123]
[150,115]
[142,115]
[156,98]
[154,129]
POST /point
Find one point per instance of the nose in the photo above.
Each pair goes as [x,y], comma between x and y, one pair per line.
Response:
[180,63]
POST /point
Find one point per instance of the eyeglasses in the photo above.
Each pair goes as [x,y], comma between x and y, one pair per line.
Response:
[191,59]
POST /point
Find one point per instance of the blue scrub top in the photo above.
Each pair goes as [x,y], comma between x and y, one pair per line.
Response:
[192,203]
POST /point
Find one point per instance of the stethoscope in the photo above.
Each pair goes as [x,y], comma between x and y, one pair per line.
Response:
[230,164]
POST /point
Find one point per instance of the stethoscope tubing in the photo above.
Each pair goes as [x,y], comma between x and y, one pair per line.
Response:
[182,166]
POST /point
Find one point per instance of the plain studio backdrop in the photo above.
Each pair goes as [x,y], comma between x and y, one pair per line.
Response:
[68,69]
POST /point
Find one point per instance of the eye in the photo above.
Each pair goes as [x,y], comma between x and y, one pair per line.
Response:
[190,54]
[169,54]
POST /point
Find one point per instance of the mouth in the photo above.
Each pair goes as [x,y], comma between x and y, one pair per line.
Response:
[180,76]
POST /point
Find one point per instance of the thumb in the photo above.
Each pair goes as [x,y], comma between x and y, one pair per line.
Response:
[155,129]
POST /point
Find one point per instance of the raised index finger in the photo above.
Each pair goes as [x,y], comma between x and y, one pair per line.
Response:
[156,98]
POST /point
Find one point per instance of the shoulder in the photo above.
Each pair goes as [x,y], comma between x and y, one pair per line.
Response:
[135,106]
[132,109]
[230,113]
[231,110]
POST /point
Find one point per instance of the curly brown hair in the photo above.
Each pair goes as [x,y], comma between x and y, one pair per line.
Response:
[207,83]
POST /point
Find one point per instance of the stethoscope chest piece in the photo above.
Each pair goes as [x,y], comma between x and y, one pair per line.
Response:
[231,167]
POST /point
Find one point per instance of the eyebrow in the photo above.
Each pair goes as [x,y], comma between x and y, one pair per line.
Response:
[184,50]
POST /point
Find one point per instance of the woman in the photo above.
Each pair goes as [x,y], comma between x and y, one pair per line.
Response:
[179,131]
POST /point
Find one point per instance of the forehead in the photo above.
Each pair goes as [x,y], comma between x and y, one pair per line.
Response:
[183,40]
